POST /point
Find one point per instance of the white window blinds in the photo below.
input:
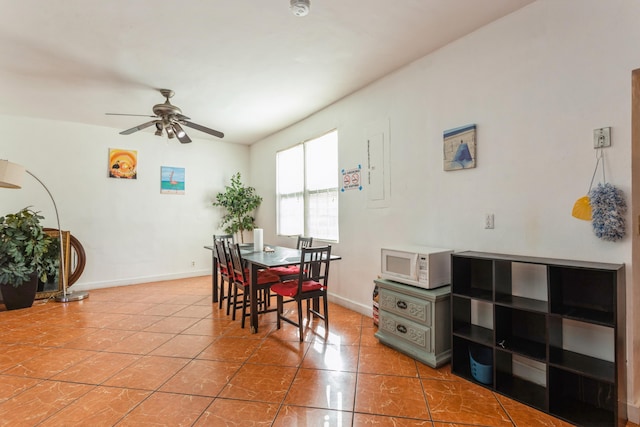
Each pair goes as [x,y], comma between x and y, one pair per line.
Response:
[307,189]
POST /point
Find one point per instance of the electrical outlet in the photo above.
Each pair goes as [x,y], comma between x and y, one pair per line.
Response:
[489,221]
[193,263]
[602,137]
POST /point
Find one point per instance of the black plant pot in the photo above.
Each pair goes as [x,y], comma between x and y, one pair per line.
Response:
[22,296]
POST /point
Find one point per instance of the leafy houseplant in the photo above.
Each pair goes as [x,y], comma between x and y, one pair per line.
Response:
[25,249]
[240,202]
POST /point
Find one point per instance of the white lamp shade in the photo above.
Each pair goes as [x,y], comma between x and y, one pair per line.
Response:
[10,174]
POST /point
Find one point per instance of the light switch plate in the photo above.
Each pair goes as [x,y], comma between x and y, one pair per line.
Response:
[602,137]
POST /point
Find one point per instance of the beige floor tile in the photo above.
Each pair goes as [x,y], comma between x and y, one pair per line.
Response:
[188,346]
[147,373]
[332,357]
[102,406]
[39,402]
[322,389]
[202,378]
[261,383]
[391,395]
[230,349]
[294,416]
[167,409]
[384,360]
[226,413]
[464,402]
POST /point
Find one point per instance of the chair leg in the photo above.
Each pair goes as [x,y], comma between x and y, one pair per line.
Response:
[245,301]
[279,310]
[268,297]
[221,297]
[300,320]
[235,301]
[325,305]
[229,286]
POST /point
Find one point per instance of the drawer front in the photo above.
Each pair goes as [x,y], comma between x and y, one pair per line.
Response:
[407,306]
[417,335]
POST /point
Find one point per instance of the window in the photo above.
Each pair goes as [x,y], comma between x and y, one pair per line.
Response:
[307,188]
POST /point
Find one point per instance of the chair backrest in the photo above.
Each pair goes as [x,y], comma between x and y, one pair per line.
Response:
[226,237]
[304,242]
[222,254]
[237,264]
[314,265]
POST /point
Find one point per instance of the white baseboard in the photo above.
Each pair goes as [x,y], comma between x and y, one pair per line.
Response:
[633,413]
[365,310]
[87,286]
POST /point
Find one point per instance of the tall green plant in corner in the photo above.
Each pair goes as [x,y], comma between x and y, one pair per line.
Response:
[239,201]
[25,249]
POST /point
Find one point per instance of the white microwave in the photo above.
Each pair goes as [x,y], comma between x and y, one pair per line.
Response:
[419,266]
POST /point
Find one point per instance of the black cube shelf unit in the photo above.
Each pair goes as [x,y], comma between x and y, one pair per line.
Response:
[539,341]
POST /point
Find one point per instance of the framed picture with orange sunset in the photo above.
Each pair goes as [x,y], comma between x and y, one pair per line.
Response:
[123,163]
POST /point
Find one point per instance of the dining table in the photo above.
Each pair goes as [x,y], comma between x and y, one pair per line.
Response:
[271,256]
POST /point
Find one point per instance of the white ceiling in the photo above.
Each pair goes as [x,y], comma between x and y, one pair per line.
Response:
[246,68]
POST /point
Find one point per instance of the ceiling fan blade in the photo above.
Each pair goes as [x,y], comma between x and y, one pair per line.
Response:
[132,115]
[203,129]
[137,128]
[182,117]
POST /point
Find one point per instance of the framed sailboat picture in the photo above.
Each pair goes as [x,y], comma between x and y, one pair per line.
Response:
[171,180]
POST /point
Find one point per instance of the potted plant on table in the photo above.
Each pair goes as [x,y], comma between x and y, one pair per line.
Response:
[240,201]
[27,255]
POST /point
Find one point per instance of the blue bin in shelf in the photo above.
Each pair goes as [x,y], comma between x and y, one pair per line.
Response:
[481,360]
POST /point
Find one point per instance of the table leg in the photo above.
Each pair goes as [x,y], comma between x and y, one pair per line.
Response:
[253,299]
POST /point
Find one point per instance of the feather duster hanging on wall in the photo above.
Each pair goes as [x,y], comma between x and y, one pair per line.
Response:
[608,208]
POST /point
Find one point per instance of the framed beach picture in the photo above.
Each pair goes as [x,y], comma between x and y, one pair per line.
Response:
[171,180]
[460,148]
[123,163]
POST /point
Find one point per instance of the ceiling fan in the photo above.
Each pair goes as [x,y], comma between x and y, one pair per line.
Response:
[168,118]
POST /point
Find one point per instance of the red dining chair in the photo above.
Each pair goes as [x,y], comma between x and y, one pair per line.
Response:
[311,283]
[241,279]
[291,271]
[221,244]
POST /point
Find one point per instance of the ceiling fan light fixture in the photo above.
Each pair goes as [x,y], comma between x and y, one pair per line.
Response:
[170,133]
[300,7]
[158,129]
[178,130]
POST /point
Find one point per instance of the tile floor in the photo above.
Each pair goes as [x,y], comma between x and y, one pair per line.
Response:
[161,354]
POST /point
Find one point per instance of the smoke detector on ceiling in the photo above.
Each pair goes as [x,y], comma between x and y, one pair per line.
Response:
[300,7]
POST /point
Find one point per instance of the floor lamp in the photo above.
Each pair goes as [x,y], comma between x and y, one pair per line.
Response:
[11,177]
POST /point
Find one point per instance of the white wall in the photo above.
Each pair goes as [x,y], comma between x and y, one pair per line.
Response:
[536,83]
[131,233]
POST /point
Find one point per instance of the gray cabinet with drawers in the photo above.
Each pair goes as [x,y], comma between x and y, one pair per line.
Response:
[415,321]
